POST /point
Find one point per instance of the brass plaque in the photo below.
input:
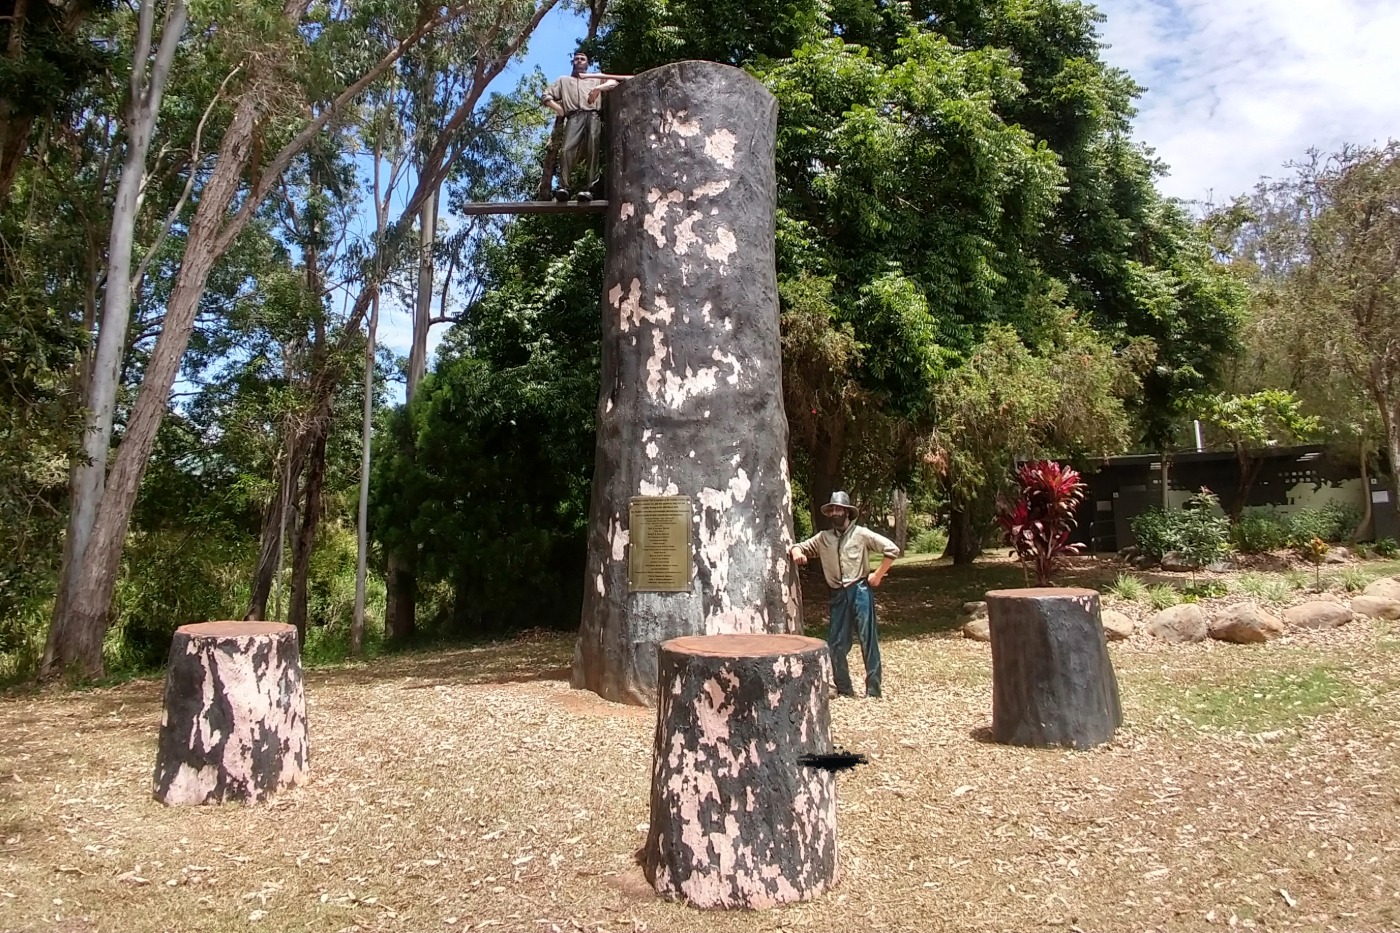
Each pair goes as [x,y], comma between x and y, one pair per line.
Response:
[659,557]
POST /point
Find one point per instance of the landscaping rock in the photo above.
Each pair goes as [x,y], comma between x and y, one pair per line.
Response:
[1245,624]
[1130,552]
[1376,607]
[1385,587]
[978,629]
[1337,555]
[1180,624]
[1318,614]
[972,610]
[1177,562]
[1144,562]
[1117,626]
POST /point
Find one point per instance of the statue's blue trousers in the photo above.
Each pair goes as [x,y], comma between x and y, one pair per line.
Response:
[853,609]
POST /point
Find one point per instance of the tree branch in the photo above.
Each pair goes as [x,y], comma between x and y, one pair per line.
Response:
[189,186]
[283,158]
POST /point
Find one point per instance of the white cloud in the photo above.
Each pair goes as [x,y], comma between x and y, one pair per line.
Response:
[1237,88]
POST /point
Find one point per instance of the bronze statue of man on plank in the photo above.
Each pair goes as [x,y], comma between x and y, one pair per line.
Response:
[577,97]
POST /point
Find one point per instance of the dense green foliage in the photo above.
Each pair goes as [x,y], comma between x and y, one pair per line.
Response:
[494,499]
[1198,531]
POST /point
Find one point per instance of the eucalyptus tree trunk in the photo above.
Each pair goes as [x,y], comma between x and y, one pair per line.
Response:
[357,624]
[1368,511]
[1392,443]
[402,605]
[88,473]
[269,562]
[305,541]
[901,517]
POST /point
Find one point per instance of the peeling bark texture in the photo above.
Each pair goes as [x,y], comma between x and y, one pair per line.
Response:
[235,715]
[691,396]
[736,821]
[1052,679]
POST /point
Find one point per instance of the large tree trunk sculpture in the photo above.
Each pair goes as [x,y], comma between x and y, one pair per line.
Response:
[691,400]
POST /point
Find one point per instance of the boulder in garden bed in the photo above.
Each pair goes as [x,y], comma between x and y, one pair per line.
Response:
[1318,614]
[1337,555]
[1245,624]
[1386,587]
[974,609]
[1376,607]
[1177,562]
[1180,624]
[1117,626]
[978,628]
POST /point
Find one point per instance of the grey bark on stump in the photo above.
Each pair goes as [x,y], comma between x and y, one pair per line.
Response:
[690,402]
[235,714]
[1052,679]
[736,820]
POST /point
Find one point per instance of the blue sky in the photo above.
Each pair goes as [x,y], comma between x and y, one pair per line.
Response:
[1235,88]
[550,50]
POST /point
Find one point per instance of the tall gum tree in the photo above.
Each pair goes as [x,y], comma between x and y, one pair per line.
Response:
[234,185]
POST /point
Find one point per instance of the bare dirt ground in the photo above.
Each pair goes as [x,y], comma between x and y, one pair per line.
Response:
[1252,787]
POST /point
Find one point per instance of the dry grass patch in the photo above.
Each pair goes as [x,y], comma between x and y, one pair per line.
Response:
[473,790]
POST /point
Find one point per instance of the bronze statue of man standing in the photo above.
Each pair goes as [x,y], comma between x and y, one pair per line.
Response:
[577,97]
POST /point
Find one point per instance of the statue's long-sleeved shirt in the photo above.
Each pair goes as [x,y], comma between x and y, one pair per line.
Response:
[571,92]
[846,558]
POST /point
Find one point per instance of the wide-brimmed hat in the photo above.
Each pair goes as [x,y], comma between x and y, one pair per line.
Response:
[839,500]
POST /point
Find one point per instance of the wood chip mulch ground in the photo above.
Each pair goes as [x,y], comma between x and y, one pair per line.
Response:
[1252,788]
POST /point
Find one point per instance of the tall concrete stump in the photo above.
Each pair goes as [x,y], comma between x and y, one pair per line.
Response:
[235,714]
[736,820]
[691,398]
[1052,679]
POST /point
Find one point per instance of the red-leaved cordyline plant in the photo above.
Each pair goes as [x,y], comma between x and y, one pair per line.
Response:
[1038,525]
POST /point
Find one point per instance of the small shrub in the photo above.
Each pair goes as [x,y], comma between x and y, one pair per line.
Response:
[1387,548]
[1128,587]
[1209,589]
[1354,579]
[1259,531]
[1252,584]
[1205,531]
[1296,579]
[1330,524]
[930,541]
[1161,596]
[1275,591]
[1199,530]
[1314,551]
[1156,531]
[1038,525]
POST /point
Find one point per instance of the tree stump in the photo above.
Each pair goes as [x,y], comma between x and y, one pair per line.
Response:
[1052,680]
[690,401]
[235,715]
[736,820]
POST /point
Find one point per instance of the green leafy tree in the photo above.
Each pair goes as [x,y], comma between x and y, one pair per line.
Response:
[1317,249]
[1252,423]
[494,498]
[1009,401]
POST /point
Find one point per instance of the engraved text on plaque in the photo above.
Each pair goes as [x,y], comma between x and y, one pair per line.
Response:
[659,558]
